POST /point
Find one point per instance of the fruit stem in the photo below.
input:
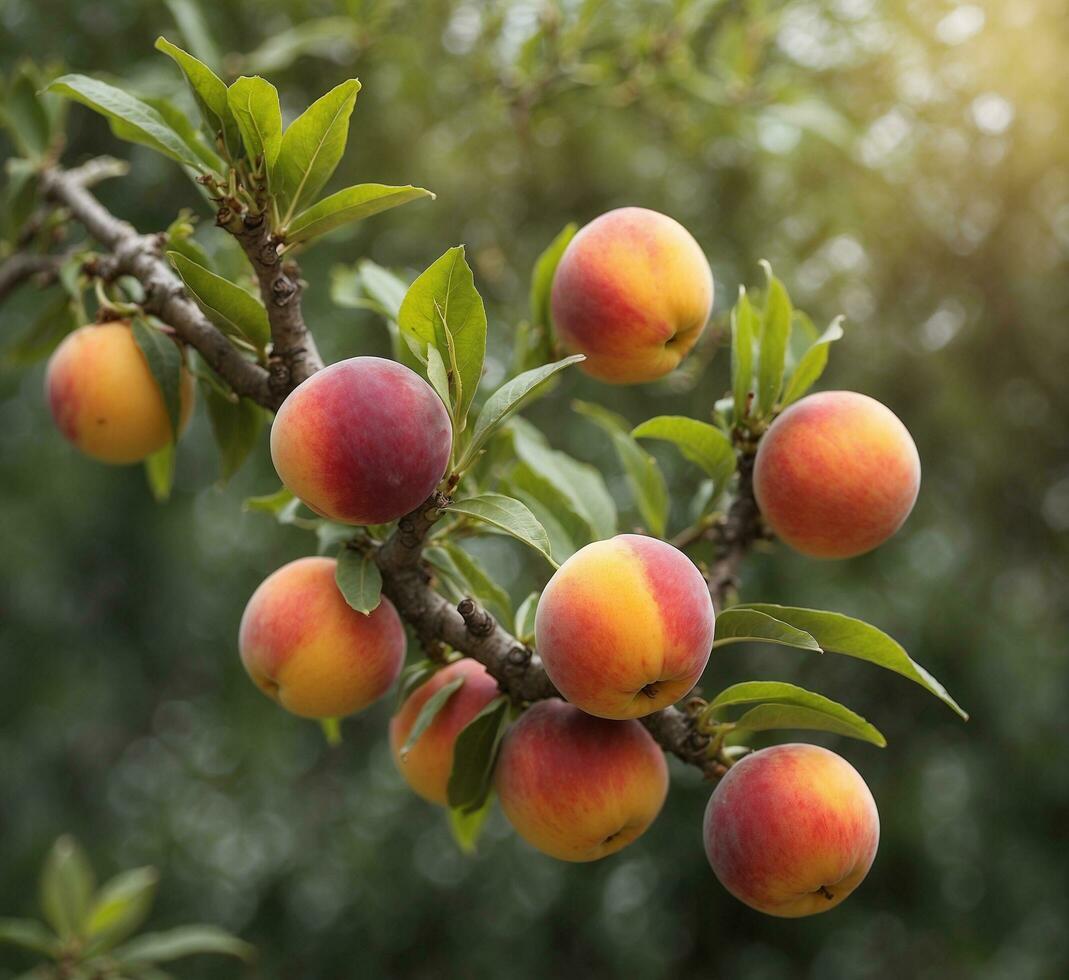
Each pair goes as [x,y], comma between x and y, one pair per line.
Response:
[331,730]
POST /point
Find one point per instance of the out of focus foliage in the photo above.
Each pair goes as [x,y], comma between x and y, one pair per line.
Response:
[903,162]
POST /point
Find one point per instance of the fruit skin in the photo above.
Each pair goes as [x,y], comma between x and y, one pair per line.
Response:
[625,626]
[579,788]
[785,823]
[363,441]
[429,762]
[104,399]
[633,291]
[836,474]
[304,646]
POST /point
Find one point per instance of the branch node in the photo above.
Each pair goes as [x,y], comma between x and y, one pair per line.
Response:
[478,621]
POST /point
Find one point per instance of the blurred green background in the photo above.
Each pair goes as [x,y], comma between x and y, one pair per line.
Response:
[902,162]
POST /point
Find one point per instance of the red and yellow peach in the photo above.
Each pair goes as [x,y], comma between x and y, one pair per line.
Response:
[625,626]
[579,788]
[364,441]
[633,292]
[791,830]
[427,764]
[305,647]
[104,399]
[836,474]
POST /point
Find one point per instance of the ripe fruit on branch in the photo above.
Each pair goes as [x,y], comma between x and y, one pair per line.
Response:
[428,763]
[633,291]
[579,788]
[791,830]
[104,399]
[836,474]
[364,441]
[625,626]
[304,646]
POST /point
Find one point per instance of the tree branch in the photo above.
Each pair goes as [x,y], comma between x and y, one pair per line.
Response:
[140,256]
[734,536]
[18,268]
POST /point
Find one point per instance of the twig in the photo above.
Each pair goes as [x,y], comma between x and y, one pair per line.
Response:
[22,266]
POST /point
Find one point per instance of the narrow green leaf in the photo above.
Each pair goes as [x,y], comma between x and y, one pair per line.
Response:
[253,102]
[25,115]
[481,584]
[233,310]
[474,755]
[542,276]
[316,35]
[29,934]
[311,148]
[359,580]
[352,204]
[738,625]
[383,287]
[66,887]
[701,443]
[525,618]
[643,474]
[775,335]
[117,104]
[271,503]
[179,122]
[438,376]
[162,947]
[180,239]
[165,362]
[443,309]
[414,675]
[782,705]
[509,398]
[195,32]
[209,92]
[236,425]
[567,531]
[508,515]
[466,825]
[743,331]
[837,633]
[429,712]
[159,472]
[120,907]
[812,364]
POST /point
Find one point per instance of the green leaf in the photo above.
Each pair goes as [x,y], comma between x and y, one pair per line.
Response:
[236,425]
[233,310]
[210,94]
[165,362]
[525,618]
[359,580]
[352,204]
[271,503]
[542,276]
[643,474]
[414,675]
[180,239]
[737,625]
[466,825]
[567,530]
[311,148]
[429,712]
[383,287]
[443,309]
[788,706]
[116,104]
[474,755]
[812,364]
[66,888]
[438,376]
[743,331]
[581,485]
[775,335]
[162,947]
[701,443]
[509,398]
[178,121]
[159,472]
[482,586]
[194,30]
[508,515]
[254,104]
[317,35]
[120,907]
[50,326]
[25,115]
[28,934]
[837,633]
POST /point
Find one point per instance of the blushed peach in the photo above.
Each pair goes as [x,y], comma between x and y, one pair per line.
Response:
[625,626]
[104,399]
[633,292]
[576,787]
[836,474]
[364,441]
[304,646]
[791,830]
[427,765]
